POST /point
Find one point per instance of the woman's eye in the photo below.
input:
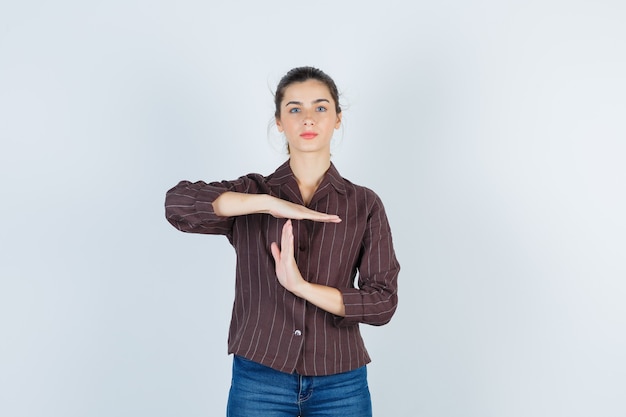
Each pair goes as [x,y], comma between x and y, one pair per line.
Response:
[321,108]
[294,110]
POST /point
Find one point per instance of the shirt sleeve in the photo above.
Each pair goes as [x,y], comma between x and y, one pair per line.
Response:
[189,206]
[376,298]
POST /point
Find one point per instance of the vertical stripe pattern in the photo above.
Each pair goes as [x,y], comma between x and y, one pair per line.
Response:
[271,326]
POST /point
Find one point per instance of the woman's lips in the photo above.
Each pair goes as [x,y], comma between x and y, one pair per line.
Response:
[308,135]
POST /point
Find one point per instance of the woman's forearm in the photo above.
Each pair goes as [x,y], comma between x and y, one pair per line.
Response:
[231,204]
[324,297]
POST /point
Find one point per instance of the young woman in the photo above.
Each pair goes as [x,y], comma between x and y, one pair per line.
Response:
[301,236]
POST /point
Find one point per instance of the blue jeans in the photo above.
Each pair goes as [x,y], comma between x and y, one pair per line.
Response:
[258,390]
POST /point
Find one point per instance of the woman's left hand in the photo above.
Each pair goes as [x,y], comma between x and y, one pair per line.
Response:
[287,270]
[289,276]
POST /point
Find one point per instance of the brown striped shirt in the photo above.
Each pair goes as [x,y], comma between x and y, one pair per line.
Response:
[270,325]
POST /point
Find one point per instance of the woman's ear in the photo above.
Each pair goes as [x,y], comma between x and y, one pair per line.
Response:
[338,121]
[278,125]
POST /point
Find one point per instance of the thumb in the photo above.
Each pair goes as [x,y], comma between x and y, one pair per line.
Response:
[275,252]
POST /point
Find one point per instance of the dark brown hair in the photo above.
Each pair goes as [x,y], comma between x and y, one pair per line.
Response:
[301,74]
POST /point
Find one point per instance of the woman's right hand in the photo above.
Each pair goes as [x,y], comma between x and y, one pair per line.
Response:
[238,204]
[284,209]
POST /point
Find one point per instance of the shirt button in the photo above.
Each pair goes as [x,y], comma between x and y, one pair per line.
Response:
[298,333]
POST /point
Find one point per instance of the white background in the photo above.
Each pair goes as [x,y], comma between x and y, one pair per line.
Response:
[494,131]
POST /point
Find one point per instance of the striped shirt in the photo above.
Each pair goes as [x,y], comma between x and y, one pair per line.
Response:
[270,325]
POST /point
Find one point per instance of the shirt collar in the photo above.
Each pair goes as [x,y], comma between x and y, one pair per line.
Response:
[284,175]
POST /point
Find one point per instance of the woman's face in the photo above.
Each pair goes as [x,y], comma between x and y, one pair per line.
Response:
[308,117]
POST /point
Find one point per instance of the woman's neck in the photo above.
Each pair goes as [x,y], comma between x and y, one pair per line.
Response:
[309,171]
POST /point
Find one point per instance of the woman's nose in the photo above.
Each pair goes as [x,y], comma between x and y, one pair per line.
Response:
[308,119]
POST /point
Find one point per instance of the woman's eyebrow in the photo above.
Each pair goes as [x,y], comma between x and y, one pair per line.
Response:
[299,103]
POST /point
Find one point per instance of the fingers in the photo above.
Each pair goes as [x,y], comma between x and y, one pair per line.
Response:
[286,243]
[327,218]
[320,217]
[287,210]
[287,239]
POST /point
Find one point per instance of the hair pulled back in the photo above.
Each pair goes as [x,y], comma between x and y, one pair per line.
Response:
[301,74]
